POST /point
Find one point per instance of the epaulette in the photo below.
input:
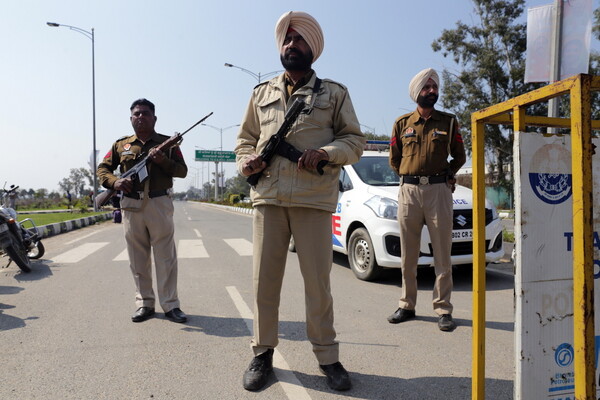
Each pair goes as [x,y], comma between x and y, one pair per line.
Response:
[336,83]
[405,116]
[447,114]
[123,137]
[260,84]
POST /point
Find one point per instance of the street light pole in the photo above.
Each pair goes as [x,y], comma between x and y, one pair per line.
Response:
[256,76]
[221,148]
[89,35]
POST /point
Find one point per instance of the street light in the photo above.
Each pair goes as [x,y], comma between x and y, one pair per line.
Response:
[371,129]
[89,35]
[257,76]
[221,148]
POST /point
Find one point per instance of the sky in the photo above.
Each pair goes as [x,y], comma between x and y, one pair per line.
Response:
[173,53]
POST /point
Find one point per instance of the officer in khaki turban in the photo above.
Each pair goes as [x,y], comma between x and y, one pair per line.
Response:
[422,142]
[291,198]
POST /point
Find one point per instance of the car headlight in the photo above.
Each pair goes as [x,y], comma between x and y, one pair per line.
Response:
[383,207]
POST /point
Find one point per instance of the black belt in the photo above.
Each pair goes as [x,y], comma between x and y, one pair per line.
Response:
[152,194]
[424,180]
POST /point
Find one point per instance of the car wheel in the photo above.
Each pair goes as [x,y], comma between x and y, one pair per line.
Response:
[361,256]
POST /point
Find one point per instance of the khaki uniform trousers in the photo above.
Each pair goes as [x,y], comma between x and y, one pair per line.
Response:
[431,205]
[151,228]
[311,229]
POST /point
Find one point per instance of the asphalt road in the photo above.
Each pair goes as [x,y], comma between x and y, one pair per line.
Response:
[66,332]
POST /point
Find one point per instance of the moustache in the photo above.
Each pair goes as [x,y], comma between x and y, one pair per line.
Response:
[289,52]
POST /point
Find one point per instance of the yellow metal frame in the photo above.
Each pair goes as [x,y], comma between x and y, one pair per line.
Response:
[513,112]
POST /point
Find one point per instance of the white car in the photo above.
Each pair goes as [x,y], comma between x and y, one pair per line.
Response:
[365,226]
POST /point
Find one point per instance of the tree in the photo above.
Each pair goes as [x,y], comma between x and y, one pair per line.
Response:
[238,185]
[76,181]
[491,56]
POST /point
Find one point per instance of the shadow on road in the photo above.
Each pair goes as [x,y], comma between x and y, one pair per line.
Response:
[8,321]
[462,275]
[366,386]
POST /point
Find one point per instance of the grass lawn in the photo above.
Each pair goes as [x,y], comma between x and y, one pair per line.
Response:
[52,218]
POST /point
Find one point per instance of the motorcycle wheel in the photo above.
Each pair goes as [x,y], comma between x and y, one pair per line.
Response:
[37,251]
[18,254]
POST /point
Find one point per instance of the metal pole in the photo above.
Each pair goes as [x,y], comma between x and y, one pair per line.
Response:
[553,103]
[216,179]
[89,35]
[94,167]
[221,148]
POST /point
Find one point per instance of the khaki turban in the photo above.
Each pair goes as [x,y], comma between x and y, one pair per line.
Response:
[418,82]
[305,25]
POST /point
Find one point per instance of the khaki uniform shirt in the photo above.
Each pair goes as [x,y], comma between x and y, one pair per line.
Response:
[332,126]
[129,150]
[421,147]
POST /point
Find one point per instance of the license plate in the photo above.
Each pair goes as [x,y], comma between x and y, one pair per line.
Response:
[462,234]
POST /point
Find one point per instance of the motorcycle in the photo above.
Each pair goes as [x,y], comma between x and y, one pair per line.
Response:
[20,244]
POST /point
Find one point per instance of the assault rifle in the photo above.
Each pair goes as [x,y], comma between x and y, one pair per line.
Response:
[278,145]
[139,171]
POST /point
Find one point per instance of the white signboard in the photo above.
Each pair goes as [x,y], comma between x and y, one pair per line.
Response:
[544,266]
[575,40]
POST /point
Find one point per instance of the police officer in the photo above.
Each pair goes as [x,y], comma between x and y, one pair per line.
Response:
[148,211]
[291,198]
[421,143]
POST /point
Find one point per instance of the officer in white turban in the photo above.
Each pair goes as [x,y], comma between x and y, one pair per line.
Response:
[420,80]
[422,142]
[294,198]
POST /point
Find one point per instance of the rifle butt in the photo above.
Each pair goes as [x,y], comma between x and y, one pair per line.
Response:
[104,197]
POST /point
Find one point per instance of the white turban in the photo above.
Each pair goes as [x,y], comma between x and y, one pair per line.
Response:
[418,82]
[305,25]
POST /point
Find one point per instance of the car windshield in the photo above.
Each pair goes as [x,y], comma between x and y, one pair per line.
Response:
[376,171]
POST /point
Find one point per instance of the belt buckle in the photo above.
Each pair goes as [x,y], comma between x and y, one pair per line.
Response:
[423,180]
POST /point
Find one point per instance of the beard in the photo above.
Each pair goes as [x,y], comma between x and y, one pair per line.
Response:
[295,60]
[427,101]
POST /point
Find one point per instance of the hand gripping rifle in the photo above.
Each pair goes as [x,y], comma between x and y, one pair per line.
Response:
[138,171]
[278,145]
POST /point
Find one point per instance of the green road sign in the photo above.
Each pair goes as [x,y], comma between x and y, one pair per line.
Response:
[215,155]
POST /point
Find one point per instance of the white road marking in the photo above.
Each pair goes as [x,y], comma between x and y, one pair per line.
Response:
[123,256]
[80,238]
[191,249]
[197,233]
[79,253]
[288,381]
[241,246]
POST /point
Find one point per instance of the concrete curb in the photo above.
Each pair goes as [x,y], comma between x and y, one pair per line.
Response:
[66,226]
[241,210]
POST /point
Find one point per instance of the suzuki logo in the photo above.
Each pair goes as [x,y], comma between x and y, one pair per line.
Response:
[461,220]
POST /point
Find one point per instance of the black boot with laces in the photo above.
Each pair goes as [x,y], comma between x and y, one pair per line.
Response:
[257,374]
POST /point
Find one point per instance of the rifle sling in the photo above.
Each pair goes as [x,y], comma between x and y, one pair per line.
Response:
[287,150]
